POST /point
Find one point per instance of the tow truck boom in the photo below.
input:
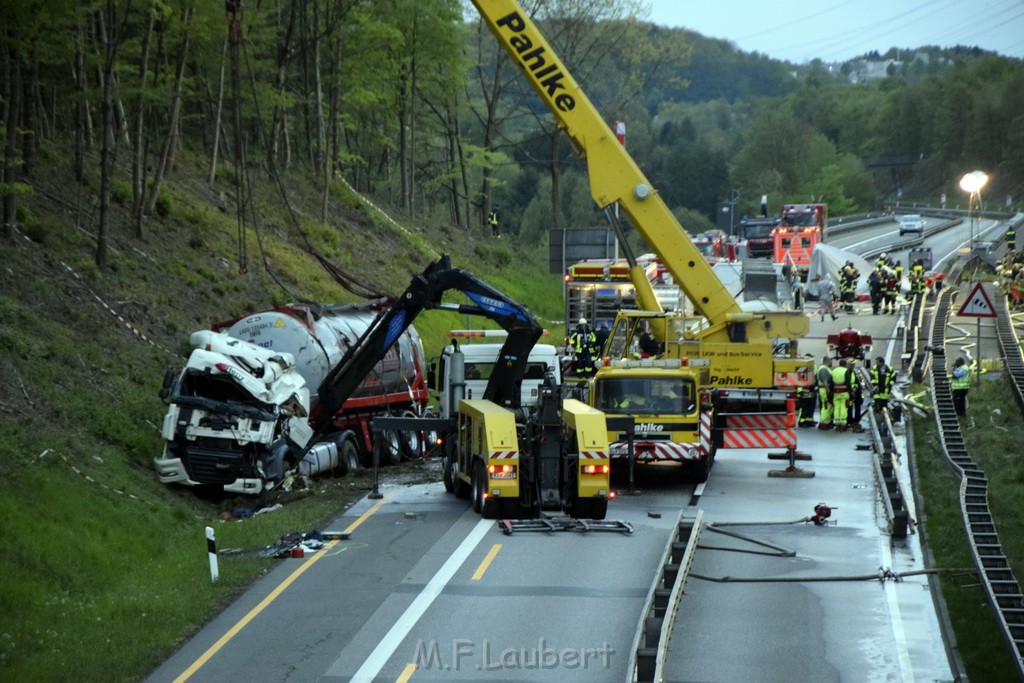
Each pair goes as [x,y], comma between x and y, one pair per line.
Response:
[425,292]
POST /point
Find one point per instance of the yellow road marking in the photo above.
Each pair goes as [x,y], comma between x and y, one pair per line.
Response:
[491,554]
[407,673]
[233,631]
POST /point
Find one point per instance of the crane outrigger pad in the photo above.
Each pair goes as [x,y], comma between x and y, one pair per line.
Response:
[549,524]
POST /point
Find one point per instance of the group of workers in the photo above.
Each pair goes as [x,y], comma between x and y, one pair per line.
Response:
[839,390]
[1011,278]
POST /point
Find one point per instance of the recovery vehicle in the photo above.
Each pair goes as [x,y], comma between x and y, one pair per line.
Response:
[742,389]
[801,228]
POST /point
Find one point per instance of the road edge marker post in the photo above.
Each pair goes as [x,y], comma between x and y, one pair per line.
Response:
[211,549]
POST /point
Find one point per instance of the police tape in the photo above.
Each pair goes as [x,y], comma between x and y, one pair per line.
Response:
[124,321]
[93,480]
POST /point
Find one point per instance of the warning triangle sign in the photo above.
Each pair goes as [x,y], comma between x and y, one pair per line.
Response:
[978,304]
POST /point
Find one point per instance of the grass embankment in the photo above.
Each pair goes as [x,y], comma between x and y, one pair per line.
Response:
[993,433]
[105,573]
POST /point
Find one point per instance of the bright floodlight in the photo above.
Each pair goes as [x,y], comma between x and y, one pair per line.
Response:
[973,182]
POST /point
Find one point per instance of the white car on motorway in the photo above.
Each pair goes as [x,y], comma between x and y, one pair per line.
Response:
[912,222]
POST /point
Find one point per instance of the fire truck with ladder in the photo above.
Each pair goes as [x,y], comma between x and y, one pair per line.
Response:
[716,369]
[801,228]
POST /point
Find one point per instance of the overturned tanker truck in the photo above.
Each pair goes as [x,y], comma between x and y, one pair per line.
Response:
[238,413]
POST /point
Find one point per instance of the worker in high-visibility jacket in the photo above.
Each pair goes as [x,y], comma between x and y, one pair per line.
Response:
[959,383]
[823,379]
[883,379]
[1011,238]
[856,398]
[805,406]
[840,394]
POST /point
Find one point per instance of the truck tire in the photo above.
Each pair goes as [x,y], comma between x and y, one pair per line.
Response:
[348,458]
[598,508]
[409,440]
[390,448]
[448,473]
[478,487]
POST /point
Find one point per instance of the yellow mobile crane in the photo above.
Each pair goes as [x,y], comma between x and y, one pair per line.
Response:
[724,357]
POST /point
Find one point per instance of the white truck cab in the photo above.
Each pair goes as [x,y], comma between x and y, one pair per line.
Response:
[470,365]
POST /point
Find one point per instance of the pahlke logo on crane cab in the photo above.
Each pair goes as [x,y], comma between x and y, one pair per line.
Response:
[731,381]
[532,55]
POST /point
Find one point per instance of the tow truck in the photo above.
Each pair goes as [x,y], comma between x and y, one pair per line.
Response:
[513,461]
[741,390]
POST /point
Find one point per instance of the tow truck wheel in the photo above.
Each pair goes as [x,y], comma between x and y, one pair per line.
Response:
[448,473]
[478,487]
[598,508]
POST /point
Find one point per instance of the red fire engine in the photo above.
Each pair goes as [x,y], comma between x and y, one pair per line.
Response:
[801,228]
[717,247]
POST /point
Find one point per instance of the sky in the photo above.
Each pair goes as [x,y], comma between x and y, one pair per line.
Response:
[838,30]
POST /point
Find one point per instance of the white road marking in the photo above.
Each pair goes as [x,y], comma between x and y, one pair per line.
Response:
[896,616]
[387,646]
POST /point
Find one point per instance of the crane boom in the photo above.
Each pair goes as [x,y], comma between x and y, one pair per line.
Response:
[615,177]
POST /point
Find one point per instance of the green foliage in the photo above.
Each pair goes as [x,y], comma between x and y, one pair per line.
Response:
[162,206]
[991,439]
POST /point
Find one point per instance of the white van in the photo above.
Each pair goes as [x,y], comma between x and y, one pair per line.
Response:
[912,222]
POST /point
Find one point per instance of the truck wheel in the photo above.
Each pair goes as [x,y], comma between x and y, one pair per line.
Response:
[461,487]
[700,470]
[478,487]
[599,508]
[390,448]
[448,473]
[410,440]
[486,506]
[348,458]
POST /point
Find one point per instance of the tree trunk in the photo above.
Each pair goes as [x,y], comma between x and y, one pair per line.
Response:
[10,161]
[172,129]
[29,132]
[109,148]
[216,116]
[139,162]
[83,115]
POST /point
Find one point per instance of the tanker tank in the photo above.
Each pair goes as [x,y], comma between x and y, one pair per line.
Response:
[318,337]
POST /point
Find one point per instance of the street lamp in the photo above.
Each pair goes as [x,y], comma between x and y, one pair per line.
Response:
[972,183]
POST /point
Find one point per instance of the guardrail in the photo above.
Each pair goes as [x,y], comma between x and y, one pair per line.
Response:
[886,468]
[994,571]
[647,656]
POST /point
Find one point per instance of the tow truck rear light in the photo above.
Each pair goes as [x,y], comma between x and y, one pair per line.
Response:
[595,469]
[501,471]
